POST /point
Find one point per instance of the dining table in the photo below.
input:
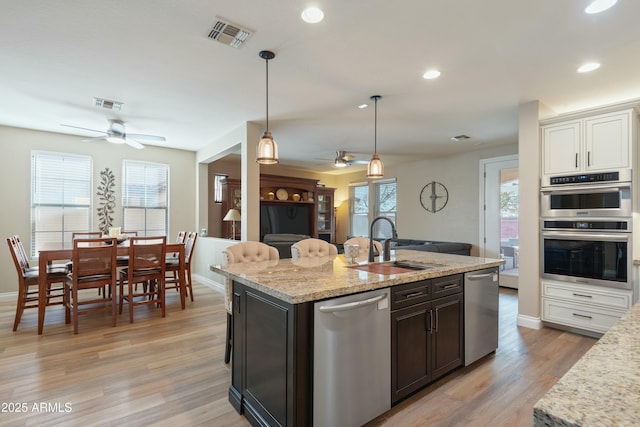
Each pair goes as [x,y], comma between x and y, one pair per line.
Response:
[47,256]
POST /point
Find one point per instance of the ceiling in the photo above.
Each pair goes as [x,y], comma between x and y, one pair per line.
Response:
[156,58]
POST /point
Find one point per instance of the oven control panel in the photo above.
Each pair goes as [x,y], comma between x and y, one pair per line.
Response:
[590,177]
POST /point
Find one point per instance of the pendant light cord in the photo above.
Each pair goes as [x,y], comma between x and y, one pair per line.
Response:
[267,90]
[375,128]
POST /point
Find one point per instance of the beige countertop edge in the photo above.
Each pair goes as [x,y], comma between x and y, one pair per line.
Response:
[603,387]
[318,290]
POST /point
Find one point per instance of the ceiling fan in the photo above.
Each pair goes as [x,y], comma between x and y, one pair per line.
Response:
[344,160]
[117,134]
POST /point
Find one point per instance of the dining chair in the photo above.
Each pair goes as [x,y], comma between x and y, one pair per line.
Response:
[363,242]
[313,248]
[146,266]
[28,280]
[173,266]
[243,252]
[94,267]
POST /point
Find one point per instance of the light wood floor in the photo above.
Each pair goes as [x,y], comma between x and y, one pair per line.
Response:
[170,372]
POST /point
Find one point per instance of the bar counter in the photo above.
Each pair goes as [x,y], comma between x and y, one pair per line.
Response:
[603,387]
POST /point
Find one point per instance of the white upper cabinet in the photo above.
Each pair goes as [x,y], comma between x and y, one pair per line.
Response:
[608,143]
[590,144]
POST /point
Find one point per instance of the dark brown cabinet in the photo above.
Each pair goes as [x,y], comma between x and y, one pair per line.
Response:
[271,368]
[426,333]
[272,355]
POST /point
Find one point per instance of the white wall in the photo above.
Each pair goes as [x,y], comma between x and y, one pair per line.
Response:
[16,145]
[459,220]
[529,169]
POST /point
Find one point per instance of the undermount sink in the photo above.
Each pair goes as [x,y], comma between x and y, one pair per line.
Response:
[415,265]
[396,267]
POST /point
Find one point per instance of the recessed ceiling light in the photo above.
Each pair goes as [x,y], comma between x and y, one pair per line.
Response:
[312,15]
[597,6]
[431,74]
[361,106]
[589,66]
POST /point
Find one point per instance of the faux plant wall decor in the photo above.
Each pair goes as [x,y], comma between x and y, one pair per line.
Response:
[107,200]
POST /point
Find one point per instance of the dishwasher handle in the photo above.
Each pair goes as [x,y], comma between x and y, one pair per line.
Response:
[479,276]
[351,305]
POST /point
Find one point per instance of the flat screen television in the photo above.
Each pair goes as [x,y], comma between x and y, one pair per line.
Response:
[276,219]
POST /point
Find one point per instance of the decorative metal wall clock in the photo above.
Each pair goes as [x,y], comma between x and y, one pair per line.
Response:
[434,196]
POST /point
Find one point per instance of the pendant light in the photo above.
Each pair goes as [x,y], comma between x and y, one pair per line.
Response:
[375,168]
[267,147]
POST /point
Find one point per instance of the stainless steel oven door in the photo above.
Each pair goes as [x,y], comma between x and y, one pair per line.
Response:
[593,200]
[593,258]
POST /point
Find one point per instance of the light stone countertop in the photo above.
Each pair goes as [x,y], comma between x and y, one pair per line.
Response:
[314,279]
[603,387]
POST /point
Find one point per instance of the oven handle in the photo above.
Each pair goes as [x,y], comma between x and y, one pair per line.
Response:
[588,235]
[583,189]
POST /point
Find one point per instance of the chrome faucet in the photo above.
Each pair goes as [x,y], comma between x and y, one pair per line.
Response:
[386,255]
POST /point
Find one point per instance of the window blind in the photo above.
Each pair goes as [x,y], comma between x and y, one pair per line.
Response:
[60,198]
[145,197]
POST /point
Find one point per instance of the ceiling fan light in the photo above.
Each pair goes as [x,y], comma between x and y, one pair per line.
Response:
[116,139]
[598,6]
[375,169]
[341,163]
[267,150]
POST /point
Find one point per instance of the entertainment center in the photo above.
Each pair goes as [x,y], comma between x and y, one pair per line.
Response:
[290,205]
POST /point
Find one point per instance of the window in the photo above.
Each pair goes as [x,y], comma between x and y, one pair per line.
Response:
[60,198]
[383,199]
[359,209]
[145,198]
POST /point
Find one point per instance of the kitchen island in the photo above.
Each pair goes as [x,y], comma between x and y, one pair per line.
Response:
[273,323]
[603,387]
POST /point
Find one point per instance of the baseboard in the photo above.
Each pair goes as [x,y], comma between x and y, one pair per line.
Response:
[529,321]
[209,283]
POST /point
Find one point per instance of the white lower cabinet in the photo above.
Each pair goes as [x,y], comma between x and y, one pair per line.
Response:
[589,307]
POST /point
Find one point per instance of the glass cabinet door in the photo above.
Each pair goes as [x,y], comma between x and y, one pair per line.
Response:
[325,214]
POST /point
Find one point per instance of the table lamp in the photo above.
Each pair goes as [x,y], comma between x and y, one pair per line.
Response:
[233,215]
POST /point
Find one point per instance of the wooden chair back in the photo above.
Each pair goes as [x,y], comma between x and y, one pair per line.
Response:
[18,254]
[189,244]
[94,259]
[147,256]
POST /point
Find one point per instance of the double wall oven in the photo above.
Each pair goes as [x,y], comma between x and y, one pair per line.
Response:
[586,224]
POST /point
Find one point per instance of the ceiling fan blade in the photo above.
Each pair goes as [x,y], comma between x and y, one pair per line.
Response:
[95,138]
[133,143]
[78,127]
[144,137]
[359,162]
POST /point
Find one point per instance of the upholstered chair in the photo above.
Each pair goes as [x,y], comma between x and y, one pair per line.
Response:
[312,248]
[244,252]
[363,242]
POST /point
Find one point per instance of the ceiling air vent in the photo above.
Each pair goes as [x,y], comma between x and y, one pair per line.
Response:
[460,137]
[109,105]
[230,34]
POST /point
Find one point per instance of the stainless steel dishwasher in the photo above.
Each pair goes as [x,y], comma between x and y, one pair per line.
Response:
[480,313]
[351,359]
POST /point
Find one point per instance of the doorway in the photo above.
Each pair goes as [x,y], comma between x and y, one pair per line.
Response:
[499,201]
